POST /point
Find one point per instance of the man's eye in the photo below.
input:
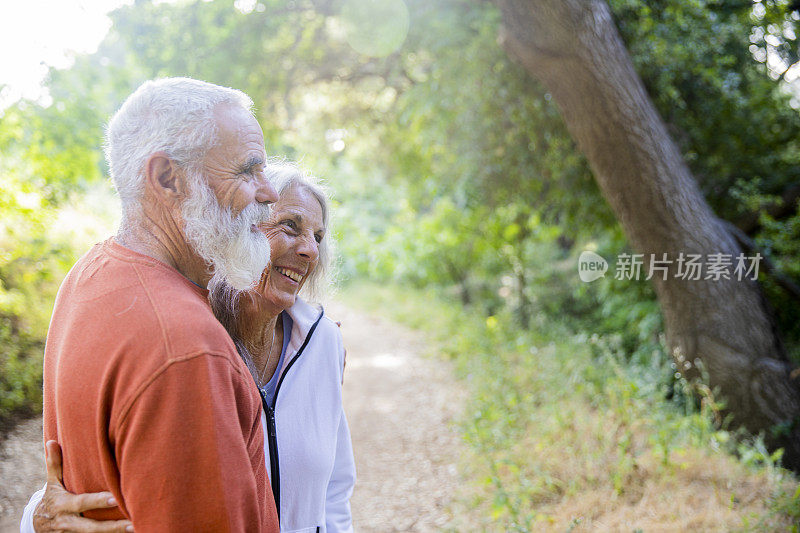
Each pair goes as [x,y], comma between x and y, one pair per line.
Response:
[290,224]
[249,173]
[318,238]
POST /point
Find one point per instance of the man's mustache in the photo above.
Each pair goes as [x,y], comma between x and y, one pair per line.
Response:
[255,214]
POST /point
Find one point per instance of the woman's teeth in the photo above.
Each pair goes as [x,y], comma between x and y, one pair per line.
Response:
[291,274]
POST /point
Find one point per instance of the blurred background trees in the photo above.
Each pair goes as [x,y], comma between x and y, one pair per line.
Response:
[451,167]
[575,49]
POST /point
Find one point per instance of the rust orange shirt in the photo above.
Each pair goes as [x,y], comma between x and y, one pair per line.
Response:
[148,398]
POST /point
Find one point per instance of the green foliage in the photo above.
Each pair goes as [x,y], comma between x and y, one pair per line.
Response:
[475,132]
[31,266]
[555,414]
[780,239]
[49,158]
[733,122]
[705,65]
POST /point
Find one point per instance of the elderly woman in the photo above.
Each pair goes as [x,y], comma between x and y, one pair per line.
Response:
[295,355]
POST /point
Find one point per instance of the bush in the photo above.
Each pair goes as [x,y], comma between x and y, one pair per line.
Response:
[566,429]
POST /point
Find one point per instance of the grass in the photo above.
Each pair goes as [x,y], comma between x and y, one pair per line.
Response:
[566,434]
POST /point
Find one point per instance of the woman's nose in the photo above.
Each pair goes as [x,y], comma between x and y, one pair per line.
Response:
[308,247]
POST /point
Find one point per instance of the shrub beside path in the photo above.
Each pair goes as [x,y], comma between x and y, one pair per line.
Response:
[400,406]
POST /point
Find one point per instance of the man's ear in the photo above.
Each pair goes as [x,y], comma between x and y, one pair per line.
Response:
[164,177]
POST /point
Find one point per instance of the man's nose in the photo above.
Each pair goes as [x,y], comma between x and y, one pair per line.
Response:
[265,192]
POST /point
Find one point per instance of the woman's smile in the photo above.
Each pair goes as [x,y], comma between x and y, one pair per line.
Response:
[293,275]
[294,230]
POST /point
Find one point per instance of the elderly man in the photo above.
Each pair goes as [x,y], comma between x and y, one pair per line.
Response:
[143,388]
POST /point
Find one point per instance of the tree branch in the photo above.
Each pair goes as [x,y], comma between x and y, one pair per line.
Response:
[749,246]
[781,209]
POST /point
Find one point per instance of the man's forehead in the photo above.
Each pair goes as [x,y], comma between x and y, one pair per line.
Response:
[233,120]
[240,141]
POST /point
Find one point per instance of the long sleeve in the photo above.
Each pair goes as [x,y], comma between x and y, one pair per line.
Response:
[190,452]
[343,477]
[340,487]
[26,525]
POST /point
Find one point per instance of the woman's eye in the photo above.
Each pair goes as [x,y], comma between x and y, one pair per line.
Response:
[318,238]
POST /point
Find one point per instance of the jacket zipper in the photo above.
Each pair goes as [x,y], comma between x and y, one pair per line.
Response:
[269,410]
[274,467]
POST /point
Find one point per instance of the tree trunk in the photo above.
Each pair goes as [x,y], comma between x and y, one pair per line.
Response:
[573,48]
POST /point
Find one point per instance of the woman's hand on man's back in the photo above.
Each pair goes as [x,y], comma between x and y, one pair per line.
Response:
[60,510]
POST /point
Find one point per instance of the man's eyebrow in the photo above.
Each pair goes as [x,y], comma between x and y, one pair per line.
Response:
[251,162]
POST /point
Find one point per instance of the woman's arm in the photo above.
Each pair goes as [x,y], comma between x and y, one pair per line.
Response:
[343,478]
[340,486]
[53,508]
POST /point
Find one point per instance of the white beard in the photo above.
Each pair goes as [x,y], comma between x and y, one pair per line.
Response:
[235,254]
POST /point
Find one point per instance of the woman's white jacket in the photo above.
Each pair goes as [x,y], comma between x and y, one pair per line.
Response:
[315,457]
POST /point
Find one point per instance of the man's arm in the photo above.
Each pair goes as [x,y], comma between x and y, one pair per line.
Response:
[189,449]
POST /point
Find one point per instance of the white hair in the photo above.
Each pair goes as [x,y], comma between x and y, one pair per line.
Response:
[235,252]
[284,176]
[173,115]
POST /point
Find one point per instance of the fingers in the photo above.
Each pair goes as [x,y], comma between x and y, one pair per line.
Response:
[338,323]
[59,510]
[80,524]
[52,452]
[78,503]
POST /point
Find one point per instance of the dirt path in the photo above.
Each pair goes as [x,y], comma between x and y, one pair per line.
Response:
[21,471]
[400,406]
